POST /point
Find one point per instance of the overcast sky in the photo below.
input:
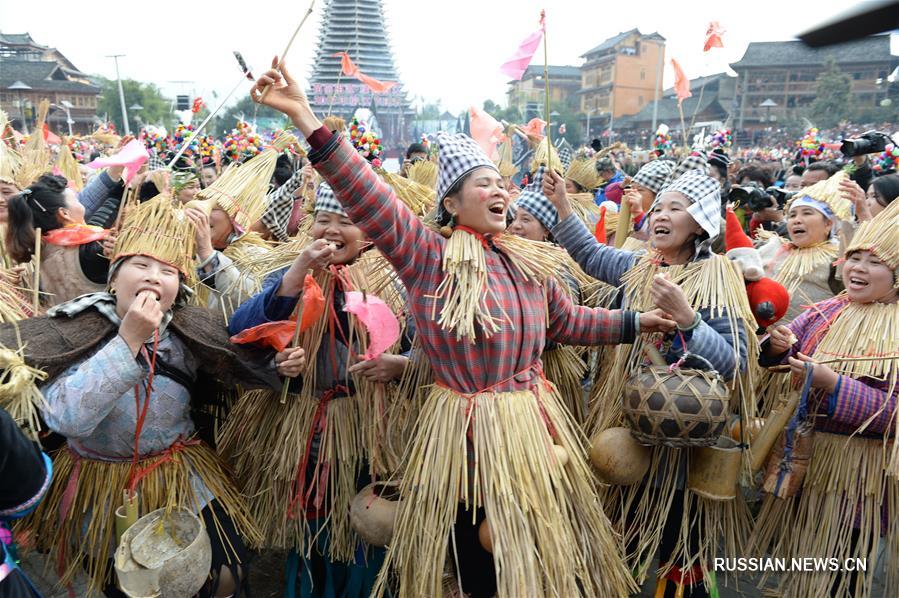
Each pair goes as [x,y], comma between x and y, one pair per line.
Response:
[446,50]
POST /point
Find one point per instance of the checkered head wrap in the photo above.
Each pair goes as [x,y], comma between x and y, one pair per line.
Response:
[653,175]
[325,201]
[534,201]
[704,193]
[458,155]
[695,161]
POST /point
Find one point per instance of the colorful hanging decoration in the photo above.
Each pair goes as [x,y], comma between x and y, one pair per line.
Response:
[722,138]
[811,146]
[661,142]
[366,142]
[888,160]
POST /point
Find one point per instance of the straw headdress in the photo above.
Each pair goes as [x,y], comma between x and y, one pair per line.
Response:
[583,172]
[10,159]
[546,155]
[828,193]
[68,166]
[504,162]
[241,190]
[36,155]
[156,228]
[424,172]
[419,198]
[880,235]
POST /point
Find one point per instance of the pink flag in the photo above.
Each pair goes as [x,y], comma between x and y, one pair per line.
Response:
[350,69]
[383,327]
[132,157]
[713,36]
[486,130]
[518,64]
[681,83]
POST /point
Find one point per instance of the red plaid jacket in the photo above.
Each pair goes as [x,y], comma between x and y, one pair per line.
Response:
[503,362]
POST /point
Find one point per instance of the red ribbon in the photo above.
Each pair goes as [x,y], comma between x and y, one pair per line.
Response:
[299,494]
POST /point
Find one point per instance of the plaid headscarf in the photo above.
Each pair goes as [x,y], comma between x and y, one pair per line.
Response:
[704,193]
[534,201]
[653,174]
[459,155]
[695,161]
[325,201]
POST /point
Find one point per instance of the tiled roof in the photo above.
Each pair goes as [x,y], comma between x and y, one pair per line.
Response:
[18,39]
[875,48]
[37,74]
[617,39]
[669,113]
[555,70]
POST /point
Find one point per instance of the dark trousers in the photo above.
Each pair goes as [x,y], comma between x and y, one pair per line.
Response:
[475,564]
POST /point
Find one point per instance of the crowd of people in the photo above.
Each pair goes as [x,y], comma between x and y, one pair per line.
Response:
[560,372]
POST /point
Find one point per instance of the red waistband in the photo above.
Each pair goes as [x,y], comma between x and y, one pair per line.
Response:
[530,375]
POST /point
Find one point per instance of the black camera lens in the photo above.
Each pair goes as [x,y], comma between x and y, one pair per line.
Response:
[871,142]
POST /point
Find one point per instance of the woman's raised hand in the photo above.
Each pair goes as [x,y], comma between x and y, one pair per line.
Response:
[284,93]
[554,190]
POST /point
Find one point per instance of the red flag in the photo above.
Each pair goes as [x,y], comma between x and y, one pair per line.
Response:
[199,104]
[713,36]
[518,64]
[681,83]
[350,69]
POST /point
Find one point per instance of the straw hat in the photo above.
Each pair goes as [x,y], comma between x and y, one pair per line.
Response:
[583,172]
[880,235]
[828,193]
[157,229]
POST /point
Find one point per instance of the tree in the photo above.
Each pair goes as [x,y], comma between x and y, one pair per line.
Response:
[248,110]
[834,98]
[156,109]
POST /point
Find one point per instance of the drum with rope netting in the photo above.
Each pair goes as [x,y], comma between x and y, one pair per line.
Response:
[676,406]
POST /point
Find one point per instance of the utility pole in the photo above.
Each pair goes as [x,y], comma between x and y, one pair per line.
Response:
[121,92]
[655,103]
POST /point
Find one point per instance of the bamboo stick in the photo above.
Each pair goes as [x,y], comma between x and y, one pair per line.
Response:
[37,269]
[287,48]
[296,339]
[624,220]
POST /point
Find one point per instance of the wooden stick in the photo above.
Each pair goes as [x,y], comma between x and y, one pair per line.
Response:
[196,132]
[786,367]
[37,270]
[683,126]
[624,217]
[287,49]
[296,338]
[333,95]
[549,161]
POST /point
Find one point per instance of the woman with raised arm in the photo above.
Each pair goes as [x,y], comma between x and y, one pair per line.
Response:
[494,442]
[705,295]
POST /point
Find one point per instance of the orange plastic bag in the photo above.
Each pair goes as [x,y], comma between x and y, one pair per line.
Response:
[278,335]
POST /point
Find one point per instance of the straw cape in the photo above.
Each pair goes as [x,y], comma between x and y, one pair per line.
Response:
[76,520]
[711,284]
[359,432]
[852,482]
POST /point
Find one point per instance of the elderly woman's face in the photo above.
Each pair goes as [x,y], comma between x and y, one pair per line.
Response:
[807,226]
[526,226]
[142,273]
[670,225]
